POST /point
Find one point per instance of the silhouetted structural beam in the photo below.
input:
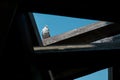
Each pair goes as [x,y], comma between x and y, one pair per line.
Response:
[82,9]
[84,35]
[71,61]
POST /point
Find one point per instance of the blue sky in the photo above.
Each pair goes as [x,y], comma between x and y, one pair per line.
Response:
[60,24]
[99,75]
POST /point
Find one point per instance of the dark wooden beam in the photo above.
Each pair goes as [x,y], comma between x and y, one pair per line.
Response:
[69,62]
[83,9]
[36,39]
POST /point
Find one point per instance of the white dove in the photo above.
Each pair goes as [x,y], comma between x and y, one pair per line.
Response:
[45,32]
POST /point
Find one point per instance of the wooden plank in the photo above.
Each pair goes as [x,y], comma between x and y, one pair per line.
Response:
[85,47]
[69,37]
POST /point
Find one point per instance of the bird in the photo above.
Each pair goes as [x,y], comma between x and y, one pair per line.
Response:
[45,32]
